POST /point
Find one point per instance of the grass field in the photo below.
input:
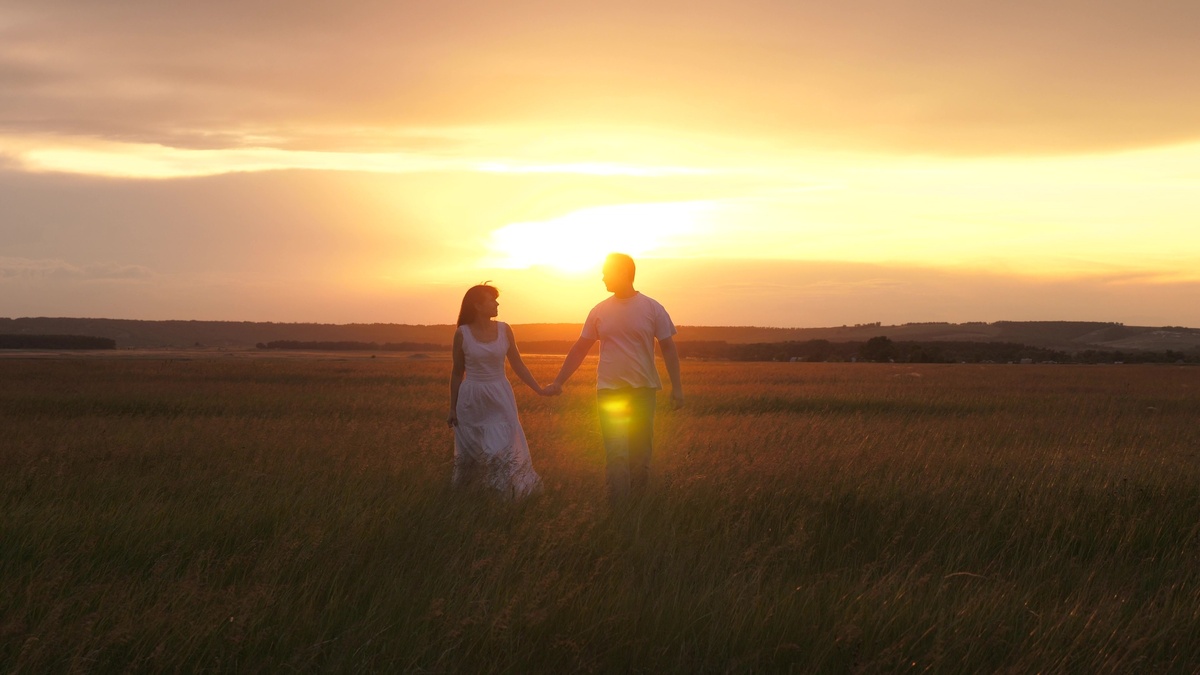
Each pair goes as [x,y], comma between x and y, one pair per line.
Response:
[271,515]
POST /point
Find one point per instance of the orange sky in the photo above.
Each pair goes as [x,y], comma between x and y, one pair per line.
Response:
[768,163]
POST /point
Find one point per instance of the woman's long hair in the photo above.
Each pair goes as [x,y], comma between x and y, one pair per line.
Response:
[475,295]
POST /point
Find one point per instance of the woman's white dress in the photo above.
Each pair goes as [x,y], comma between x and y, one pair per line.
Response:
[489,443]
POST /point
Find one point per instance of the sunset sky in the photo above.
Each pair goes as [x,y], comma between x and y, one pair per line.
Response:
[772,163]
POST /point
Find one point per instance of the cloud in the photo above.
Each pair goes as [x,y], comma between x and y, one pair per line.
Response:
[342,246]
[929,76]
[832,293]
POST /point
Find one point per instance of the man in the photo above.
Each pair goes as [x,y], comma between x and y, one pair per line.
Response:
[627,382]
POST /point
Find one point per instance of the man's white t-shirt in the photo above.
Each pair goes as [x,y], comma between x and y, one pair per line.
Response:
[627,329]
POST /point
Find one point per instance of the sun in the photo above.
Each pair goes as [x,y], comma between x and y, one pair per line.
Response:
[578,241]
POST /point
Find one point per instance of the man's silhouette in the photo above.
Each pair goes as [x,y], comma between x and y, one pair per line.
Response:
[627,382]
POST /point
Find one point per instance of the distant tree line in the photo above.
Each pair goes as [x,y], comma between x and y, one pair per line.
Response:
[528,347]
[882,349]
[56,342]
[879,349]
[550,346]
[349,346]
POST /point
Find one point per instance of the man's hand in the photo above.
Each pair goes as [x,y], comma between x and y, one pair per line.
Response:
[676,399]
[452,420]
[552,389]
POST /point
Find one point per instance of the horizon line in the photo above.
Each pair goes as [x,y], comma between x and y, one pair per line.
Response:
[579,323]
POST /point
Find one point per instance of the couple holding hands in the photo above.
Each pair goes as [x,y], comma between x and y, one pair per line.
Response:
[489,443]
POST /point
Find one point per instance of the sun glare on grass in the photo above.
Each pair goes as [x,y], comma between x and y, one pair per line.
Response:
[579,241]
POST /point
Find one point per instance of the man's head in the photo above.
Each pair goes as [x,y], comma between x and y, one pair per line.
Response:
[618,272]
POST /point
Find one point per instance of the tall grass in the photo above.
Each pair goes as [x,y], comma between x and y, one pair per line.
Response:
[255,514]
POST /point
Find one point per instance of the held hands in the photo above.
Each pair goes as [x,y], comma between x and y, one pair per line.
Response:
[552,389]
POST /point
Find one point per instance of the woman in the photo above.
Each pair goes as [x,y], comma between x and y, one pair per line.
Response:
[489,443]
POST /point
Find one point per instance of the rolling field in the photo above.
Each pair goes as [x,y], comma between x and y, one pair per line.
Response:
[294,514]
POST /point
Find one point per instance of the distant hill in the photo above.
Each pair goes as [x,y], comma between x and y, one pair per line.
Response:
[232,334]
[1071,336]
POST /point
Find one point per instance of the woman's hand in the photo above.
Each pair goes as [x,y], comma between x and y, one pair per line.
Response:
[452,419]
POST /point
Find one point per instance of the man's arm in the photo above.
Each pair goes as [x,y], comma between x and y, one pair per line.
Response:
[671,357]
[574,357]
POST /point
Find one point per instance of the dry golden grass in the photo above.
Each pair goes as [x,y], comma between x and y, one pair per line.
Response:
[260,514]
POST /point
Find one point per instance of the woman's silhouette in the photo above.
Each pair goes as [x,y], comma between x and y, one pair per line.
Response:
[489,443]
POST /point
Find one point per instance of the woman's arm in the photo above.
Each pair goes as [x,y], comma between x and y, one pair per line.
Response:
[518,366]
[456,378]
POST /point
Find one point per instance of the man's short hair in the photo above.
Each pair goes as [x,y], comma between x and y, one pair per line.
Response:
[621,264]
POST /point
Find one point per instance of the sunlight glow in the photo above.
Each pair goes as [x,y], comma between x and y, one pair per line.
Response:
[148,160]
[579,240]
[542,201]
[592,169]
[499,152]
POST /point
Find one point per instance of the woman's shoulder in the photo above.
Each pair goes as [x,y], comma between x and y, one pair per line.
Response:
[507,331]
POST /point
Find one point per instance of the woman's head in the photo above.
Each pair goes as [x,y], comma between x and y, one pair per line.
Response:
[474,296]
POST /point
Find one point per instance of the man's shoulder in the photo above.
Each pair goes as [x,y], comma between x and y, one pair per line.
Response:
[650,300]
[651,306]
[639,303]
[600,306]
